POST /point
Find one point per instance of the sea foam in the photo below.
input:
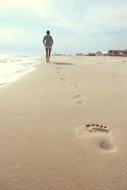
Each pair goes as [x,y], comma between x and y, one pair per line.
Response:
[12,67]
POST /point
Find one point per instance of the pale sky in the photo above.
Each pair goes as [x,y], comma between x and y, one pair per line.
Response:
[76,25]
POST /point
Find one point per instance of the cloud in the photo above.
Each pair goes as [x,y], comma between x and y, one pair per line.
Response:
[13,36]
[80,24]
[96,17]
[64,23]
[23,3]
[103,17]
[92,17]
[40,7]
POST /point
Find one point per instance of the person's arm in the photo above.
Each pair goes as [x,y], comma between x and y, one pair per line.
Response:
[52,40]
[44,40]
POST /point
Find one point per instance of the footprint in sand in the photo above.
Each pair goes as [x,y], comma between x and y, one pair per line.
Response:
[74,85]
[58,71]
[58,68]
[62,78]
[101,135]
[78,99]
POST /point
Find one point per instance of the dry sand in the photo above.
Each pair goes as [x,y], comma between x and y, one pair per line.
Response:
[45,142]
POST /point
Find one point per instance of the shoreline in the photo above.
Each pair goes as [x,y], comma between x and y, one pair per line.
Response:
[18,75]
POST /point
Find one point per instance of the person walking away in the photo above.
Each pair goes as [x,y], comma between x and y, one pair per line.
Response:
[48,43]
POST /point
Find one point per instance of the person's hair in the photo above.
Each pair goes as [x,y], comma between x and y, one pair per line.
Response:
[48,32]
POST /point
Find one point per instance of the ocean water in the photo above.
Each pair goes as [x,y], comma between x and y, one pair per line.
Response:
[14,66]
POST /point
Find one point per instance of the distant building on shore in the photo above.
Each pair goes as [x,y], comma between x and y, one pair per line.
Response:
[99,53]
[122,53]
[58,54]
[79,54]
[117,53]
[91,54]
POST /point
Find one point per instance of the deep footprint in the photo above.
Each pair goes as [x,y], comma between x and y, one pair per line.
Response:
[100,135]
[104,136]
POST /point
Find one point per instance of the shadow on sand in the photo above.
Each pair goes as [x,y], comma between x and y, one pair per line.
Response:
[58,63]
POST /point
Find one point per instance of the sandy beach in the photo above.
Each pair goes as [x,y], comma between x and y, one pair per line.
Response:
[63,126]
